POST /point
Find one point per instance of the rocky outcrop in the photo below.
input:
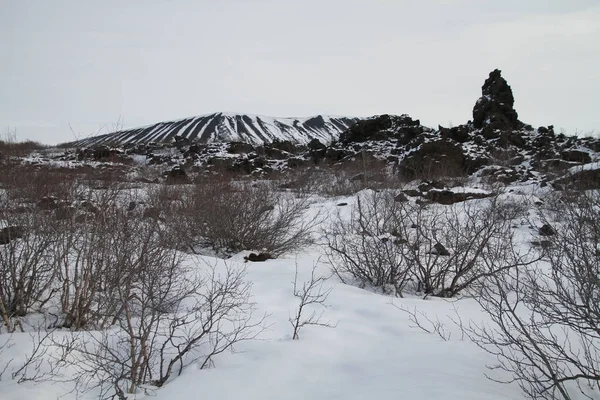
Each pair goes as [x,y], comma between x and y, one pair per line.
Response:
[383,127]
[496,145]
[447,196]
[435,158]
[494,109]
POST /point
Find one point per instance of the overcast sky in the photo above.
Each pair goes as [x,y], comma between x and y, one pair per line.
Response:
[91,64]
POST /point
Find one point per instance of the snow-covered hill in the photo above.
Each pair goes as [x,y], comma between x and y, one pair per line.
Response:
[226,127]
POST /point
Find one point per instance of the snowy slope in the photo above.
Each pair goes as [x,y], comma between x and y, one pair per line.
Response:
[225,127]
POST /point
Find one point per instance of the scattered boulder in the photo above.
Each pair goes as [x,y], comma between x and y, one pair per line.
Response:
[441,157]
[240,148]
[460,134]
[383,127]
[260,257]
[426,186]
[296,162]
[181,141]
[546,230]
[9,233]
[578,156]
[412,192]
[448,197]
[439,250]
[401,198]
[176,176]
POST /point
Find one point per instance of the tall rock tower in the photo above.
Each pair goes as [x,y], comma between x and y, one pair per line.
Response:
[494,109]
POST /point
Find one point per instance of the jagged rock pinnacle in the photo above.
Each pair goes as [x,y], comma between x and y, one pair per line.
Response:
[494,109]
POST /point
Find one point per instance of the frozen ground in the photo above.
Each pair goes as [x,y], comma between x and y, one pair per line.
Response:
[374,352]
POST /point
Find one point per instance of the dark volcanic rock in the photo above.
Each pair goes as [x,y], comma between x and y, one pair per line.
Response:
[546,230]
[176,175]
[440,250]
[401,198]
[436,158]
[585,179]
[460,134]
[383,127]
[260,257]
[240,148]
[448,197]
[576,156]
[494,109]
[10,233]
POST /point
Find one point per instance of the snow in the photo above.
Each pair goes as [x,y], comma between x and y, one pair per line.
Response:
[270,128]
[373,352]
[585,167]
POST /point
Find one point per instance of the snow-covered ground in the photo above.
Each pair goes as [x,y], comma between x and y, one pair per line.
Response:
[374,351]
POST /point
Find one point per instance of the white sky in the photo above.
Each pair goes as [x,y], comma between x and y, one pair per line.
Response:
[91,64]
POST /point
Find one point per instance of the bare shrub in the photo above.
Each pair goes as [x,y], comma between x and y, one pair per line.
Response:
[230,217]
[444,250]
[427,324]
[173,317]
[366,247]
[101,261]
[33,365]
[310,294]
[349,179]
[339,183]
[452,248]
[26,265]
[545,318]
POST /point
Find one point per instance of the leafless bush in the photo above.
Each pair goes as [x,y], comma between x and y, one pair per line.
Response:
[453,248]
[544,330]
[31,366]
[347,180]
[230,217]
[5,344]
[10,146]
[173,317]
[425,323]
[101,261]
[366,248]
[444,250]
[339,183]
[26,265]
[303,182]
[310,294]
